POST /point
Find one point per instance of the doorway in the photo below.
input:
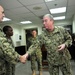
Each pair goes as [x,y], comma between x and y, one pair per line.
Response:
[28,35]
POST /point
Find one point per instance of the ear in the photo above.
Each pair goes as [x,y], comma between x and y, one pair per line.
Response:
[6,32]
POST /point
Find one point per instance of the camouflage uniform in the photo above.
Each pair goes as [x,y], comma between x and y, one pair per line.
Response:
[55,59]
[7,53]
[10,68]
[37,55]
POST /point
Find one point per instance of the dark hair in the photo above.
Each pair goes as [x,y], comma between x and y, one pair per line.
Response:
[33,30]
[5,28]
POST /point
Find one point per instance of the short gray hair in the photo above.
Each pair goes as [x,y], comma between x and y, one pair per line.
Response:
[48,15]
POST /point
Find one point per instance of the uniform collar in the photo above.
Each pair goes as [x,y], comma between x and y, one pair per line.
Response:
[54,31]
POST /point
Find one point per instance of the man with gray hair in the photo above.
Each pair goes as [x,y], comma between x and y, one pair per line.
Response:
[7,52]
[56,40]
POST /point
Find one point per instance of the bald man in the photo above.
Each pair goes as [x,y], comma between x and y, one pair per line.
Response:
[7,52]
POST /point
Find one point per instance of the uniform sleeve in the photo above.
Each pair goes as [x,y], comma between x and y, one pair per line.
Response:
[35,45]
[1,52]
[31,49]
[9,53]
[67,38]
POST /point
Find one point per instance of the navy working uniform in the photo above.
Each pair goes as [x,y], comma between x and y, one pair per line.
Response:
[56,59]
[10,68]
[7,53]
[37,55]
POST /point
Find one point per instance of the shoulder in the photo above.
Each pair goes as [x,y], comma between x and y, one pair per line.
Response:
[3,39]
[60,28]
[42,35]
[30,38]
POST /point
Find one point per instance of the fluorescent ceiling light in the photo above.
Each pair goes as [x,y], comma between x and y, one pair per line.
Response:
[26,22]
[58,10]
[59,18]
[6,19]
[49,0]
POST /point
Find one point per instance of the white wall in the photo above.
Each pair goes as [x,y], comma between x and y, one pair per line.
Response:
[73,27]
[17,33]
[20,30]
[24,27]
[63,23]
[39,27]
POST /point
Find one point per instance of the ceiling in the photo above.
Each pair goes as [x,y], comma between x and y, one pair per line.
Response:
[33,10]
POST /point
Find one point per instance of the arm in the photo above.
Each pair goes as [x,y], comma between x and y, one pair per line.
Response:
[67,40]
[38,42]
[9,53]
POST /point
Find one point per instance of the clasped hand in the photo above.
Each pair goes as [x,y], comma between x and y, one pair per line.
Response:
[23,58]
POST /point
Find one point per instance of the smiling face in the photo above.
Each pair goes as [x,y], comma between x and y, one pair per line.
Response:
[2,15]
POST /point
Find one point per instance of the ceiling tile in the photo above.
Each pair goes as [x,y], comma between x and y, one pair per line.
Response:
[56,4]
[41,12]
[71,2]
[30,2]
[41,7]
[19,10]
[10,4]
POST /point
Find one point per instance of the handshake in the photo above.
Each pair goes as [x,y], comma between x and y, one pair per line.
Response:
[23,58]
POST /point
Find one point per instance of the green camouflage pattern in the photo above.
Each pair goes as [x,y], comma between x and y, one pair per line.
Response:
[52,40]
[36,56]
[65,69]
[7,53]
[10,68]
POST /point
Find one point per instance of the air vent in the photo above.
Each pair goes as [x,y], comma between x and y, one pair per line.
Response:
[36,8]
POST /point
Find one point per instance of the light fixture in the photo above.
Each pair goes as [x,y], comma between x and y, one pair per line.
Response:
[6,19]
[26,22]
[59,18]
[49,0]
[58,10]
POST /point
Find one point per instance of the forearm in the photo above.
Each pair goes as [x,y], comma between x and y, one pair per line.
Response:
[12,57]
[32,49]
[68,41]
[9,53]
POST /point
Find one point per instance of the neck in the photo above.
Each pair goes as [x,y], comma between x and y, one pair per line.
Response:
[34,36]
[52,28]
[8,37]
